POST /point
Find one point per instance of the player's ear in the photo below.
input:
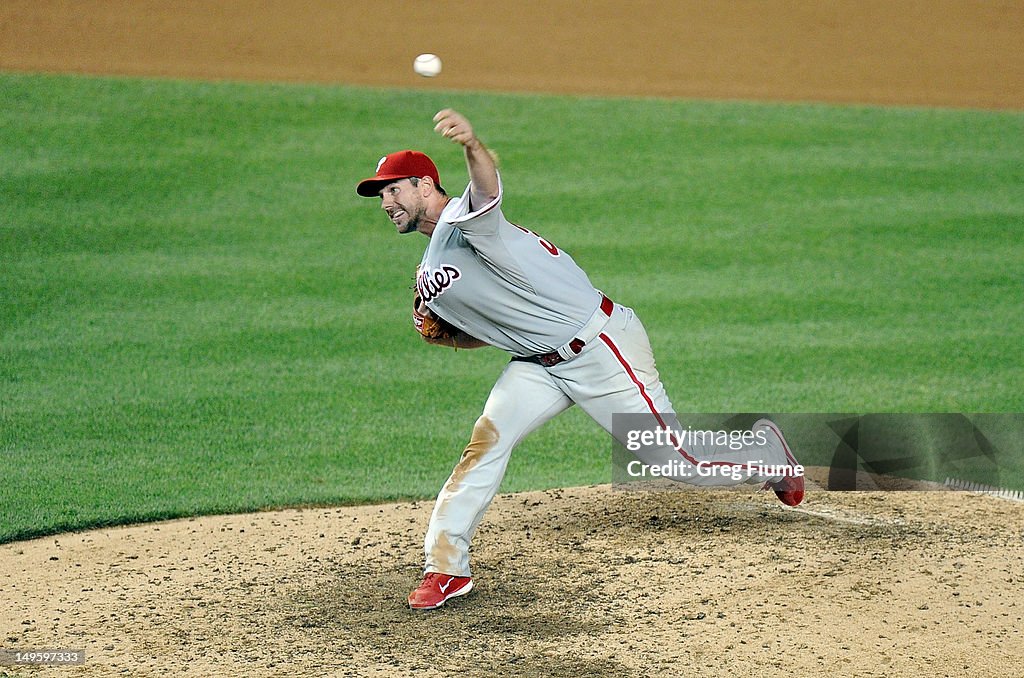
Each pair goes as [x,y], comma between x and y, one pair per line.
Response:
[427,186]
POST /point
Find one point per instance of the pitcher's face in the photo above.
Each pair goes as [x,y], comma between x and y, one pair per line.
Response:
[404,204]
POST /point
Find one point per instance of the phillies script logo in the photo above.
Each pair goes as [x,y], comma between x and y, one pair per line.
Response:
[432,282]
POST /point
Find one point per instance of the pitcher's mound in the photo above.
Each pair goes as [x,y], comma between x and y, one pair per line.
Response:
[576,582]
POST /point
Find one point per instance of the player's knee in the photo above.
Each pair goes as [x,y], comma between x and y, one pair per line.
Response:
[485,435]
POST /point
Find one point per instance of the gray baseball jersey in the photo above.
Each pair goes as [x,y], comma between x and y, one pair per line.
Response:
[502,283]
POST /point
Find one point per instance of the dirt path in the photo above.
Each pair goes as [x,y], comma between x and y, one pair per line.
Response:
[578,582]
[934,52]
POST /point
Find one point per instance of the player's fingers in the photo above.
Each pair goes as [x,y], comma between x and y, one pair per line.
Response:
[445,123]
[457,132]
[443,113]
[448,118]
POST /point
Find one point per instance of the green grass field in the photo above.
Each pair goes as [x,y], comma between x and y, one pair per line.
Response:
[198,314]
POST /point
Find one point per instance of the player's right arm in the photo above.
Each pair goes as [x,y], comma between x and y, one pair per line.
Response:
[481,222]
[483,173]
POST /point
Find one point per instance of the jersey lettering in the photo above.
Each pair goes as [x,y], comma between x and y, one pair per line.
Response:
[432,282]
[552,250]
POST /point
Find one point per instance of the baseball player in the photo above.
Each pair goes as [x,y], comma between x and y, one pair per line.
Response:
[485,281]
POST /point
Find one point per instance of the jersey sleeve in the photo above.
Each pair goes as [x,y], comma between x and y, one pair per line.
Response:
[488,232]
[481,222]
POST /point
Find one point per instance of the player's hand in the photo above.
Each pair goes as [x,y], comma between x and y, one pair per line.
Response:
[420,312]
[453,125]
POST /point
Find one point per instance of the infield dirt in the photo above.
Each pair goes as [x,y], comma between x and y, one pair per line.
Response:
[930,52]
[574,582]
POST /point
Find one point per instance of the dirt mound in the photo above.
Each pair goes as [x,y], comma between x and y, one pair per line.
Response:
[580,582]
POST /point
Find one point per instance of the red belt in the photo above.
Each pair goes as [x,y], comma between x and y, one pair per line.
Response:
[554,358]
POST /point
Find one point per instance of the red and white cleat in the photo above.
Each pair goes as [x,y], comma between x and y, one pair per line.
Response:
[789,490]
[437,588]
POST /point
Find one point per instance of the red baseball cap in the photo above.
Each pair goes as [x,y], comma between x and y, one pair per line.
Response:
[398,165]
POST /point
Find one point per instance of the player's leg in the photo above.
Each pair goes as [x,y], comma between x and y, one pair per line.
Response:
[524,397]
[616,373]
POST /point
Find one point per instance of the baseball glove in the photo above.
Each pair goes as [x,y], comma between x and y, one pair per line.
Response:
[432,328]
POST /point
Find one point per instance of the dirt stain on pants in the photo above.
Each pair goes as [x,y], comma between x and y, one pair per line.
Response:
[484,437]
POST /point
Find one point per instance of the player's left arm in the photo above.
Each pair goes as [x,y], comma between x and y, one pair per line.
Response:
[460,340]
[483,172]
[437,331]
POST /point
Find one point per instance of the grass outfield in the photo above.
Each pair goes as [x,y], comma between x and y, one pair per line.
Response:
[198,314]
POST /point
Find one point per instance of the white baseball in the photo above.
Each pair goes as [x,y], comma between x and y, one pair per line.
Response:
[427,65]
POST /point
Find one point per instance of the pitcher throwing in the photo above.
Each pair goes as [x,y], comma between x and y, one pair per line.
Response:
[485,281]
